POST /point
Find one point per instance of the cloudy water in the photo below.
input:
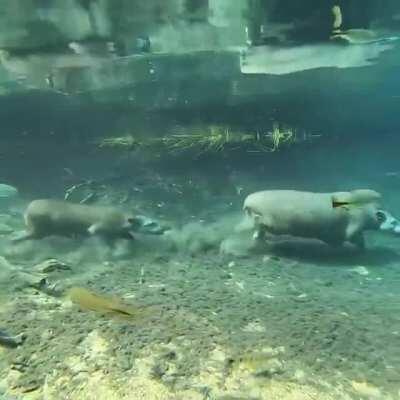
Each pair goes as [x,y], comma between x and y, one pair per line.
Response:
[199,200]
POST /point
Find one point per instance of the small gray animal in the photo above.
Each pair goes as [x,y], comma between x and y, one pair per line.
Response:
[61,218]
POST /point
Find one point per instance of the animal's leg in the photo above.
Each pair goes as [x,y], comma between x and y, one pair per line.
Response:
[260,233]
[358,241]
[247,224]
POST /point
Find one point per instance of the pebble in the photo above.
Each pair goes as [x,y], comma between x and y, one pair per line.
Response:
[366,390]
[270,368]
[299,376]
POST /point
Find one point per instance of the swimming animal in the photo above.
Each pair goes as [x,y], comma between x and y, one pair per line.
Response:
[113,306]
[48,217]
[7,340]
[313,215]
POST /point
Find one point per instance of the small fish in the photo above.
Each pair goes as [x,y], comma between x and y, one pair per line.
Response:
[11,341]
[88,300]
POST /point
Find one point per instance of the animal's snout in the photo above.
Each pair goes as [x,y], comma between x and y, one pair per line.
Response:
[144,224]
[387,222]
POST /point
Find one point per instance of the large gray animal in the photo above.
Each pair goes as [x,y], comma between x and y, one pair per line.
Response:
[56,217]
[334,218]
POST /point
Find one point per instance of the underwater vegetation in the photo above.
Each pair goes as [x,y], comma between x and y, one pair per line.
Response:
[214,139]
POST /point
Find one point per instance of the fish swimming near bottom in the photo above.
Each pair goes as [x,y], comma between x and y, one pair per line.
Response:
[7,340]
[112,306]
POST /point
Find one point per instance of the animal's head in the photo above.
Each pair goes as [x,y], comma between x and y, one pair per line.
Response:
[142,224]
[387,222]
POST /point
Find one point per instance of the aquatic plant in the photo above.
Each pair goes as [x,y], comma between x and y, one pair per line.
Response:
[219,139]
[74,188]
[215,139]
[127,142]
[279,136]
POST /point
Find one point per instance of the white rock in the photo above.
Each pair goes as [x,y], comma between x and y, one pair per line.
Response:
[299,375]
[366,390]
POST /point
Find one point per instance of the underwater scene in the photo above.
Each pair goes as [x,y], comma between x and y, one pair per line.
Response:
[200,200]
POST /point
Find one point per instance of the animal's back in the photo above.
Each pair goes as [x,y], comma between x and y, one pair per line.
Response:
[48,216]
[298,213]
[278,201]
